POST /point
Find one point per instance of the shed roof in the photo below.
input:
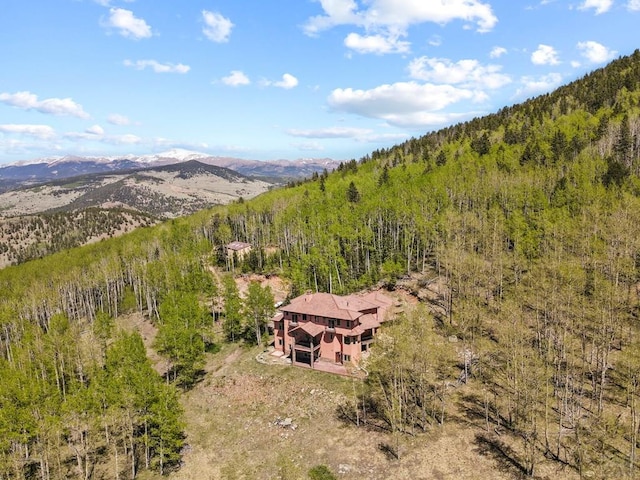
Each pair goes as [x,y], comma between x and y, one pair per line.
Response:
[238,245]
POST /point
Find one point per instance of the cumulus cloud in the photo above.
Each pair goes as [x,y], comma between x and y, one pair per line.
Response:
[633,5]
[127,24]
[236,78]
[497,52]
[467,73]
[216,27]
[37,131]
[53,106]
[600,6]
[157,66]
[394,16]
[117,119]
[537,85]
[402,103]
[377,44]
[596,52]
[288,82]
[95,130]
[545,55]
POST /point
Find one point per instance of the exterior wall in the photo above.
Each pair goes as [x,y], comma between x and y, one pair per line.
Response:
[240,254]
[333,346]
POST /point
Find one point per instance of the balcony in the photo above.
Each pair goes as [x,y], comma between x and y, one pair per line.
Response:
[330,329]
[305,346]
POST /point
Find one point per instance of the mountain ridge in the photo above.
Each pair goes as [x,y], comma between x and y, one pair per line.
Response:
[48,168]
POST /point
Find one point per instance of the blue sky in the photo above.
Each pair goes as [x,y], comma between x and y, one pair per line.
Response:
[288,79]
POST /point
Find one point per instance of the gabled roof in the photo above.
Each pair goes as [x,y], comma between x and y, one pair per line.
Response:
[309,328]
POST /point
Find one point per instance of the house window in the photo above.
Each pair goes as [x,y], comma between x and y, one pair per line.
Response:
[346,358]
[280,341]
[347,340]
[348,323]
[331,337]
[332,323]
[304,317]
[338,322]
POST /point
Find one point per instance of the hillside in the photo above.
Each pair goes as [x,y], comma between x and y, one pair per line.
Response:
[516,236]
[28,237]
[41,220]
[165,192]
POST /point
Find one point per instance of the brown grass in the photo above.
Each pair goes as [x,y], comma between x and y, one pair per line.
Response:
[231,431]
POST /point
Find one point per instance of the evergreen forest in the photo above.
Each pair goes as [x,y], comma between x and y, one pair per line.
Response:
[529,217]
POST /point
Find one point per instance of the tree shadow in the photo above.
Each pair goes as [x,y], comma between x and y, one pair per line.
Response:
[505,457]
[388,451]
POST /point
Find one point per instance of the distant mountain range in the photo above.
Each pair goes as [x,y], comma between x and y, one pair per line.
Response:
[53,168]
[40,218]
[163,191]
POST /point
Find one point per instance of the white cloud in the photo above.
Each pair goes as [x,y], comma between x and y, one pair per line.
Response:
[127,24]
[236,78]
[403,103]
[545,55]
[157,66]
[357,134]
[468,73]
[497,52]
[117,119]
[288,81]
[127,139]
[435,41]
[217,28]
[396,16]
[633,5]
[600,6]
[107,3]
[54,106]
[376,44]
[37,131]
[330,132]
[95,130]
[595,52]
[536,85]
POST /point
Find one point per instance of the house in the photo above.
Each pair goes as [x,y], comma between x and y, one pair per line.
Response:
[239,248]
[324,327]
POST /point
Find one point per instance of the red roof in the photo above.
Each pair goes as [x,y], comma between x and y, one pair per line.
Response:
[310,328]
[330,306]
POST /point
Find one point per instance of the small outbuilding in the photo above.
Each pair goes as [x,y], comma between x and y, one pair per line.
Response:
[240,249]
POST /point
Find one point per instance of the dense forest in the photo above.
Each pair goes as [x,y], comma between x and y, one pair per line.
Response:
[33,236]
[529,216]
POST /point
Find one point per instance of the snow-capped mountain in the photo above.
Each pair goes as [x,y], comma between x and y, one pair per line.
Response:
[58,167]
